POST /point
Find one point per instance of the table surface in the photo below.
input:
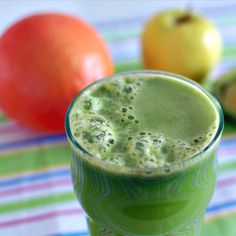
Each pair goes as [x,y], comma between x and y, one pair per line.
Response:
[36,192]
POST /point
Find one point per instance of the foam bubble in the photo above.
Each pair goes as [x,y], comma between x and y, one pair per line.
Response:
[128,89]
[74,117]
[116,159]
[124,109]
[131,117]
[146,150]
[95,133]
[90,103]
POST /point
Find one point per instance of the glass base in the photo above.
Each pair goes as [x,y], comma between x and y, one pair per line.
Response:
[192,229]
[97,230]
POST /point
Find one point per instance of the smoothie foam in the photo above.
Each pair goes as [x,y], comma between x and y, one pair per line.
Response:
[139,122]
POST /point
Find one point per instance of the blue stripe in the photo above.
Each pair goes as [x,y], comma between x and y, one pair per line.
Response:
[71,234]
[30,178]
[34,141]
[219,207]
[228,142]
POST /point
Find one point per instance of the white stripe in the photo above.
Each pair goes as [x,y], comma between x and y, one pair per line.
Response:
[224,194]
[68,223]
[30,195]
[226,175]
[226,158]
[62,224]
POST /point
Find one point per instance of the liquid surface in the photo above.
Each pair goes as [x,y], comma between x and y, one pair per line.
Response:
[142,121]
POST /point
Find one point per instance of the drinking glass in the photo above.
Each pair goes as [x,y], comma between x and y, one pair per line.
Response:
[121,201]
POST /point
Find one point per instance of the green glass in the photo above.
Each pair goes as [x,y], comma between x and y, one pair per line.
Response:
[125,201]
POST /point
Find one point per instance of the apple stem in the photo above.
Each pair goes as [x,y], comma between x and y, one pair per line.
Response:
[183,19]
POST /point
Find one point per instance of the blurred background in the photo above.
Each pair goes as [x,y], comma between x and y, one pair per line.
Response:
[121,22]
[36,195]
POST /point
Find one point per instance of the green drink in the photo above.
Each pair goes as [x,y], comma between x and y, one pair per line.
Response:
[144,153]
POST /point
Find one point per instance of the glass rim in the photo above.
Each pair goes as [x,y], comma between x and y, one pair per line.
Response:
[151,171]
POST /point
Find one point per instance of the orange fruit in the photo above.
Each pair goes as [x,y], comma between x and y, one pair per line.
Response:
[45,60]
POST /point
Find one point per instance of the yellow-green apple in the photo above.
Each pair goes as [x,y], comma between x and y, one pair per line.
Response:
[182,42]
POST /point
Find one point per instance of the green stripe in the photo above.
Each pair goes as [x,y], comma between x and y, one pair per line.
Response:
[128,65]
[225,167]
[223,226]
[38,202]
[229,51]
[111,37]
[3,118]
[35,159]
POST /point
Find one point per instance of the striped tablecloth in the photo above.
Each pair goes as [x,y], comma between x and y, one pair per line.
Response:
[36,195]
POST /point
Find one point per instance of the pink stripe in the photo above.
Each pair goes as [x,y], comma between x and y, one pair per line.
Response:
[227,151]
[225,182]
[36,187]
[10,127]
[14,127]
[41,217]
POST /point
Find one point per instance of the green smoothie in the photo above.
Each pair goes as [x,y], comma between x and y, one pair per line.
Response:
[144,146]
